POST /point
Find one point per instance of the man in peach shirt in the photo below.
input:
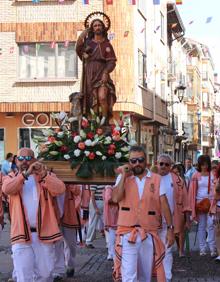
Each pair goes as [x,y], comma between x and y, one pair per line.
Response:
[34,226]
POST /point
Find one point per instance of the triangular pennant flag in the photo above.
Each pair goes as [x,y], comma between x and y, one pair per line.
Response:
[209,19]
[156,2]
[111,36]
[52,44]
[37,46]
[66,43]
[179,2]
[61,1]
[85,2]
[126,33]
[35,1]
[132,2]
[11,50]
[109,2]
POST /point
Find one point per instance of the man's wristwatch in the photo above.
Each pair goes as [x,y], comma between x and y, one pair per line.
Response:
[171,227]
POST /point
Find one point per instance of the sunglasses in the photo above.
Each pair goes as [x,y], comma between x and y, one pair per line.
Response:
[26,158]
[166,164]
[134,160]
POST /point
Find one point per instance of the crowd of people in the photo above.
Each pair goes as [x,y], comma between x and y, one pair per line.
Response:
[140,216]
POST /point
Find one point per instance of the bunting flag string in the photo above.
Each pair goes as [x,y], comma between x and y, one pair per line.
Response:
[35,1]
[132,2]
[126,33]
[85,2]
[156,2]
[179,2]
[61,1]
[209,19]
[191,22]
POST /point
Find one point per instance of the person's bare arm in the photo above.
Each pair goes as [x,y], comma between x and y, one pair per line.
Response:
[168,217]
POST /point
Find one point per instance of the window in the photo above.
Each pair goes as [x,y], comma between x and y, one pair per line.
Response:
[45,60]
[161,26]
[142,71]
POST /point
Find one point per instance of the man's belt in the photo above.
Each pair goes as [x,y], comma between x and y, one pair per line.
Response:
[33,229]
[98,198]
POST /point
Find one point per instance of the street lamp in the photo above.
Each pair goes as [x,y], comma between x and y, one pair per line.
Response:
[179,90]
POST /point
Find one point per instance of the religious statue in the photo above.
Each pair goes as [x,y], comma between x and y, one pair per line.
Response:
[99,60]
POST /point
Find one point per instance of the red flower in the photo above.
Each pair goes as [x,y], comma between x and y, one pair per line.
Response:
[91,156]
[99,131]
[90,135]
[51,139]
[112,147]
[81,145]
[64,149]
[115,132]
[74,134]
[84,123]
[111,152]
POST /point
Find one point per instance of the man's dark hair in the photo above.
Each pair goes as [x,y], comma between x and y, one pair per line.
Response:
[91,32]
[204,159]
[188,158]
[137,148]
[9,155]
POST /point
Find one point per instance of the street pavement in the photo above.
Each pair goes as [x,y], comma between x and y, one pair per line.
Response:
[92,265]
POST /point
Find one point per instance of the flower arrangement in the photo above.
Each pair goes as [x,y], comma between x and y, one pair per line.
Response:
[90,148]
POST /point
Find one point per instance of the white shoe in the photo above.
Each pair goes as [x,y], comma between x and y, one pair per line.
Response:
[109,257]
[202,253]
[214,254]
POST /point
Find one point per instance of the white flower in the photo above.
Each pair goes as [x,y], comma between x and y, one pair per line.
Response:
[118,155]
[102,121]
[82,134]
[87,153]
[108,140]
[98,120]
[125,149]
[62,115]
[98,153]
[47,132]
[96,141]
[104,158]
[71,119]
[66,157]
[60,134]
[123,130]
[88,142]
[132,142]
[77,138]
[77,152]
[92,112]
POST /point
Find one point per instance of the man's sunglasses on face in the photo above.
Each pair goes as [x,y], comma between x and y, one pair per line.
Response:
[162,164]
[134,160]
[27,158]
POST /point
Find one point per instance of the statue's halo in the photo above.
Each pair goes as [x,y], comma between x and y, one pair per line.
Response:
[98,15]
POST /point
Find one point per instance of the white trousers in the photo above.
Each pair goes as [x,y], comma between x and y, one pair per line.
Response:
[34,261]
[168,259]
[111,243]
[70,238]
[206,223]
[93,220]
[137,259]
[59,265]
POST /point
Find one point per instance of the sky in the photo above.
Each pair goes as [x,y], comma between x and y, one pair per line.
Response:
[207,33]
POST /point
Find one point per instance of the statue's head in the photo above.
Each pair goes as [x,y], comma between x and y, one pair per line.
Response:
[97,27]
